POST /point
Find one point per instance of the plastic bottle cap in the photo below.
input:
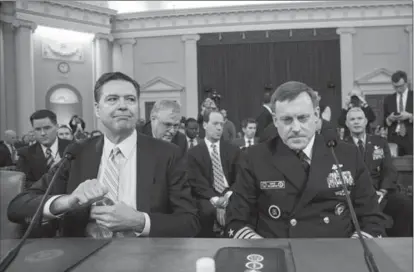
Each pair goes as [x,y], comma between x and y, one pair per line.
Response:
[205,264]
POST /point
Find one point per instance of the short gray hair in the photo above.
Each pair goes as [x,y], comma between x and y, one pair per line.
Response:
[292,89]
[165,105]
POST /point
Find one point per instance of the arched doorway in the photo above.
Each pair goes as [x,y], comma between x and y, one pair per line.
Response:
[65,101]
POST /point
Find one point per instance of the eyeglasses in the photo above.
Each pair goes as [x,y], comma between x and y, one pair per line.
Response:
[170,125]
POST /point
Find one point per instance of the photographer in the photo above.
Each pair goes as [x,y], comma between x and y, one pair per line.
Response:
[356,98]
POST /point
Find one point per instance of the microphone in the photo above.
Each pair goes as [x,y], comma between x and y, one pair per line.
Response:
[331,141]
[70,155]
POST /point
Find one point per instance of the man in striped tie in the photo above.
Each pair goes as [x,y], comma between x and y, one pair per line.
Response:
[212,172]
[143,179]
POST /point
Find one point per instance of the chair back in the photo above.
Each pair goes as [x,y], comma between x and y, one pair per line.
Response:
[11,184]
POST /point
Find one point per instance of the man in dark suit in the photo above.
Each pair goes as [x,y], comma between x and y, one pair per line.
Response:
[212,171]
[265,117]
[165,122]
[291,183]
[191,132]
[398,114]
[377,157]
[249,131]
[143,177]
[8,152]
[35,160]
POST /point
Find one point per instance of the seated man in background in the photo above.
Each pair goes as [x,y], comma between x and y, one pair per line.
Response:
[191,132]
[165,122]
[8,151]
[249,131]
[291,185]
[37,159]
[143,177]
[212,166]
[376,154]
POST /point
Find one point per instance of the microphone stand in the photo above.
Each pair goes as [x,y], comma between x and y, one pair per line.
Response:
[369,258]
[11,255]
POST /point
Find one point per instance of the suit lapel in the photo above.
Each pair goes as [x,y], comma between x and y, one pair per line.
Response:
[369,149]
[286,161]
[39,158]
[207,160]
[60,148]
[409,104]
[92,156]
[320,168]
[145,173]
[224,159]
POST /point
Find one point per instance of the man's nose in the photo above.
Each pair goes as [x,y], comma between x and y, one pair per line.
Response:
[295,126]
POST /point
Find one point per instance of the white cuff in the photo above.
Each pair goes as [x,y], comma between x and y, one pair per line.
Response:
[214,200]
[228,194]
[147,226]
[46,209]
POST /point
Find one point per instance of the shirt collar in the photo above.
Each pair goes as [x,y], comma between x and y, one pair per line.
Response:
[268,108]
[53,147]
[208,143]
[124,146]
[404,94]
[247,139]
[308,149]
[363,138]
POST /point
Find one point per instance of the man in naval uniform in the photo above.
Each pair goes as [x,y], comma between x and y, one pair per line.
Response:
[290,187]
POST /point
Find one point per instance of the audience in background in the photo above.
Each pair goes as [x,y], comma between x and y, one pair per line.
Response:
[249,132]
[165,122]
[398,114]
[8,150]
[356,98]
[265,118]
[229,129]
[207,105]
[64,132]
[191,132]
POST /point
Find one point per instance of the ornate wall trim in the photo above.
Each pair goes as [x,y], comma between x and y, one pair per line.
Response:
[324,14]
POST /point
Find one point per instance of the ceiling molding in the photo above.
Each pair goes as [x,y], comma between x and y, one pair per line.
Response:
[328,14]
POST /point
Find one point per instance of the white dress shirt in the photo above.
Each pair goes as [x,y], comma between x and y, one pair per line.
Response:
[246,141]
[54,151]
[189,142]
[363,139]
[268,108]
[308,149]
[404,98]
[127,178]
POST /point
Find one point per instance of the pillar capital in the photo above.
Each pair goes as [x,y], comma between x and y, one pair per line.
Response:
[23,24]
[104,36]
[345,30]
[190,38]
[126,41]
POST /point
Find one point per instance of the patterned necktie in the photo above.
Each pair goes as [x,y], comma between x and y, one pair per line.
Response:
[191,143]
[49,158]
[304,160]
[219,183]
[112,172]
[403,129]
[361,148]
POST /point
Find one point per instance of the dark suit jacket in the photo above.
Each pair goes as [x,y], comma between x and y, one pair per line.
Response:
[179,139]
[273,181]
[5,155]
[239,142]
[378,160]
[162,189]
[390,105]
[263,120]
[32,161]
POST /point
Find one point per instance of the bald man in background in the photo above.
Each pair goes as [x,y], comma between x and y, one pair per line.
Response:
[8,152]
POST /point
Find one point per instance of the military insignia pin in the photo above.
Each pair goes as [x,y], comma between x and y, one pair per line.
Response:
[274,211]
[339,209]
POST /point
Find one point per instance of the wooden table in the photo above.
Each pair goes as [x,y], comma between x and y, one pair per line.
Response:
[180,255]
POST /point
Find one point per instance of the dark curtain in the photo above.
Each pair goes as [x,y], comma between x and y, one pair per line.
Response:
[239,72]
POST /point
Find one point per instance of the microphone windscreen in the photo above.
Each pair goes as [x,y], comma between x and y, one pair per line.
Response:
[72,150]
[331,137]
